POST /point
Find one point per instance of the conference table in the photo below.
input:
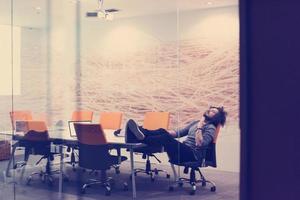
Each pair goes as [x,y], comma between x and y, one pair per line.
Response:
[61,137]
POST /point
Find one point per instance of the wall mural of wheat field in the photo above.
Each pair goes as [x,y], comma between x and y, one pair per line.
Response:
[153,63]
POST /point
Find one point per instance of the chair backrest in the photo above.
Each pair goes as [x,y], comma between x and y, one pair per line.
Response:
[20,115]
[90,134]
[42,117]
[36,139]
[111,120]
[210,157]
[82,115]
[93,151]
[217,134]
[156,120]
[36,131]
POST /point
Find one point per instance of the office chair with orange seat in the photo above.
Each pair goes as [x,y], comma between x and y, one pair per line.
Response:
[36,142]
[112,121]
[209,159]
[17,115]
[153,121]
[82,115]
[20,115]
[94,154]
[78,116]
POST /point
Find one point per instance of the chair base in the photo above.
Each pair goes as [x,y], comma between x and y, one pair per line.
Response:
[193,182]
[46,177]
[107,184]
[116,167]
[151,172]
[148,170]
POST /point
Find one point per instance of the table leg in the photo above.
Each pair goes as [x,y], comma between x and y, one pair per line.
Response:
[132,174]
[61,165]
[11,159]
[26,158]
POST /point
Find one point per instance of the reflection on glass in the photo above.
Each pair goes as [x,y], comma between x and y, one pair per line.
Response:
[175,58]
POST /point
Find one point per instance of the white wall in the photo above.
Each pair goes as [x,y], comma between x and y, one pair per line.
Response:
[6,65]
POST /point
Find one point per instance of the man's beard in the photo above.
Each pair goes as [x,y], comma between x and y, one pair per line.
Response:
[206,117]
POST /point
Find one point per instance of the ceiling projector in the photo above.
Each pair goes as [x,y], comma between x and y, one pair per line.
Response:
[102,13]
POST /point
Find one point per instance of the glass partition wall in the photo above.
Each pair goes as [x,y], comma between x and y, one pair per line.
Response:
[43,53]
[133,57]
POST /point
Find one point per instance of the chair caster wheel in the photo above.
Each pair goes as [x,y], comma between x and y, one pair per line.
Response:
[203,184]
[66,179]
[155,171]
[107,191]
[152,177]
[130,176]
[180,184]
[168,176]
[43,179]
[112,182]
[28,181]
[213,189]
[82,191]
[125,187]
[117,171]
[193,191]
[171,188]
[50,183]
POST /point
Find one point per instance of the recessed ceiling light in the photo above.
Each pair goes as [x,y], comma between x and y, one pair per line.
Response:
[37,9]
[209,3]
[73,1]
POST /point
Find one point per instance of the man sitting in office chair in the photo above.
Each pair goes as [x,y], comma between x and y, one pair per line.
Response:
[200,134]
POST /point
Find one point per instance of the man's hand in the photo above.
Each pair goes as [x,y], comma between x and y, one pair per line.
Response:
[173,133]
[198,134]
[198,138]
[201,123]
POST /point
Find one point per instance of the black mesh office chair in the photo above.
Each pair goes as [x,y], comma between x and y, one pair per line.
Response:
[209,159]
[94,154]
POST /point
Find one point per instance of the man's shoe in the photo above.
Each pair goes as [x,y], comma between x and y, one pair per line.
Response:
[129,136]
[133,127]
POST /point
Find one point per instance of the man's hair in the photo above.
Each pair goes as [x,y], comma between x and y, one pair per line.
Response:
[220,117]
